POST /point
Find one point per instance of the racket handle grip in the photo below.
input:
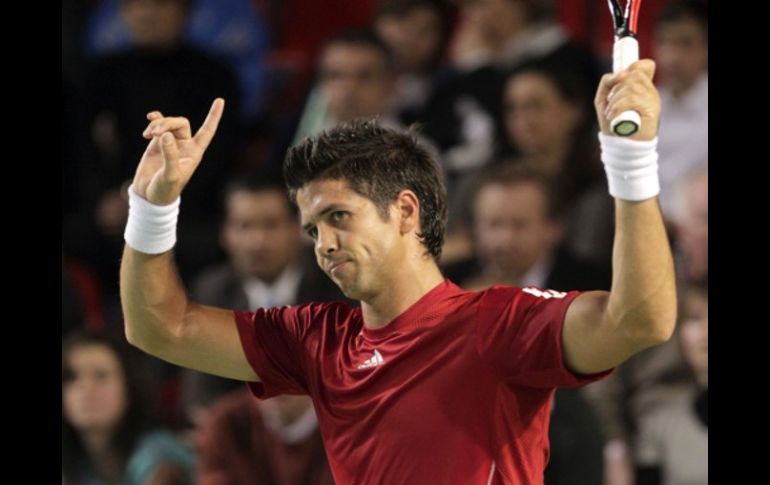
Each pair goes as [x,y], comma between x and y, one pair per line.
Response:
[625,52]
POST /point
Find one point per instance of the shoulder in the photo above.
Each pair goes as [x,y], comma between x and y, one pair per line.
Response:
[306,317]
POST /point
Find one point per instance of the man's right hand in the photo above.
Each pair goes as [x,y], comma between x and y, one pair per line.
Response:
[173,154]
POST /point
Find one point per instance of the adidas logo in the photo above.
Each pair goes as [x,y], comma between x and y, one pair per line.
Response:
[544,294]
[373,361]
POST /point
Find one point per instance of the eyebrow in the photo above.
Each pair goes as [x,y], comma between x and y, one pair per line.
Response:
[329,208]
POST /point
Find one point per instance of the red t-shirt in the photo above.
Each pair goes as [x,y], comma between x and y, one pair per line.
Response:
[456,389]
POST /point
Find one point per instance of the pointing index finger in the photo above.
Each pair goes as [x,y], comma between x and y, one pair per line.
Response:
[209,127]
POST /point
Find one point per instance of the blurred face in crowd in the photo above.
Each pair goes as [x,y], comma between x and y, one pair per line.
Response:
[356,81]
[95,397]
[496,20]
[537,116]
[694,333]
[155,23]
[512,228]
[355,246]
[261,234]
[693,229]
[414,38]
[681,53]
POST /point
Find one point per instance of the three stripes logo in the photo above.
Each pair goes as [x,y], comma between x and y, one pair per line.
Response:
[544,293]
[373,361]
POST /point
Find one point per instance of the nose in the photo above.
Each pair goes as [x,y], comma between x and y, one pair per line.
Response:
[326,243]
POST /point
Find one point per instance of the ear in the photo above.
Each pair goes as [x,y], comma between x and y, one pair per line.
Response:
[407,207]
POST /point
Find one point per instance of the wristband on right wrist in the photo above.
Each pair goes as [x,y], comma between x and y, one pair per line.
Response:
[631,167]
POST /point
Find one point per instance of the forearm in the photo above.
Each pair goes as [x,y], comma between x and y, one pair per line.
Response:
[152,296]
[642,301]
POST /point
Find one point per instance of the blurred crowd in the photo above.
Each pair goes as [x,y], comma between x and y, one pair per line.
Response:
[500,91]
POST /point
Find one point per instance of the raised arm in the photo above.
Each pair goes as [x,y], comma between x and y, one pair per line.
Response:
[602,329]
[159,318]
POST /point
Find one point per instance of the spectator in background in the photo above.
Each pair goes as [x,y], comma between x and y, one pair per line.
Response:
[464,117]
[692,227]
[417,33]
[237,32]
[355,80]
[673,441]
[549,127]
[680,49]
[272,442]
[106,434]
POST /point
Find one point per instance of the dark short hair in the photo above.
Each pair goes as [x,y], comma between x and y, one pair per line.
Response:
[377,163]
[678,11]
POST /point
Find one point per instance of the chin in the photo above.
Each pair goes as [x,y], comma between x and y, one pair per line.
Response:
[348,290]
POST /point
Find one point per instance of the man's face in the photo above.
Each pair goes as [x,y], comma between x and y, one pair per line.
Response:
[512,228]
[537,116]
[353,244]
[155,23]
[414,37]
[681,52]
[355,82]
[496,20]
[261,235]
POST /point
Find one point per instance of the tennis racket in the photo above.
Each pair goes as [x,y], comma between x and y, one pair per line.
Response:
[625,51]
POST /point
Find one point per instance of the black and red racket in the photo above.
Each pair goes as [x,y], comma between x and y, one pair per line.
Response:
[625,52]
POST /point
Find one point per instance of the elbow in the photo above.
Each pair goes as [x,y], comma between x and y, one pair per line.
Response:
[152,339]
[664,324]
[657,330]
[662,334]
[134,335]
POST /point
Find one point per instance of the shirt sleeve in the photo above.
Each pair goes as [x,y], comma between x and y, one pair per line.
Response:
[519,334]
[275,343]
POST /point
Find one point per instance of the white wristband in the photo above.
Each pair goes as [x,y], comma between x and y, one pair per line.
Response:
[631,167]
[151,228]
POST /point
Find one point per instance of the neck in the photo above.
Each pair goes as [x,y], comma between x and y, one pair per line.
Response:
[411,284]
[681,87]
[96,441]
[97,444]
[549,160]
[498,275]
